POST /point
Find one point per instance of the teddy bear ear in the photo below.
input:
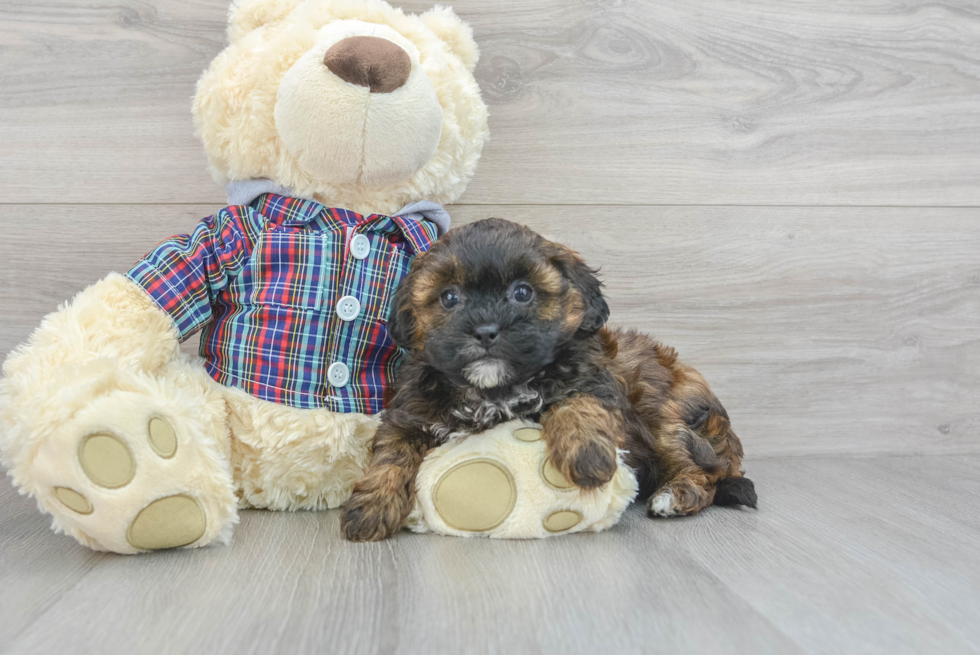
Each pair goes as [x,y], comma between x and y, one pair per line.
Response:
[457,34]
[247,15]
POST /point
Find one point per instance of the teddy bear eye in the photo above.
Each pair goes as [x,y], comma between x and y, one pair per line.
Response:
[449,297]
[522,293]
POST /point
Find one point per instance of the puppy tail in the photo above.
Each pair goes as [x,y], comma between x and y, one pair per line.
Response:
[736,491]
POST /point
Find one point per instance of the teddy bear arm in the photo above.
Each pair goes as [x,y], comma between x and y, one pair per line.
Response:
[99,400]
[112,319]
[184,274]
[70,360]
[138,320]
[119,326]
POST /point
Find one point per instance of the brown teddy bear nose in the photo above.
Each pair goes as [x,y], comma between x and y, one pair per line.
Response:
[369,61]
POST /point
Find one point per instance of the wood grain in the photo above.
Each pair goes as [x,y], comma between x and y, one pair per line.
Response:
[598,102]
[832,331]
[823,330]
[845,555]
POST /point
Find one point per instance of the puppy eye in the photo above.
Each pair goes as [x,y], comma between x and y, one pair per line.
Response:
[449,298]
[522,293]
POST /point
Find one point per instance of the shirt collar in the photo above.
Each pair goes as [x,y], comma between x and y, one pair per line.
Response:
[287,211]
[245,192]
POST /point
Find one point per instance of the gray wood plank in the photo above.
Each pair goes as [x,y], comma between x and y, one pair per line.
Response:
[836,536]
[96,98]
[824,330]
[654,102]
[290,584]
[720,102]
[845,555]
[37,567]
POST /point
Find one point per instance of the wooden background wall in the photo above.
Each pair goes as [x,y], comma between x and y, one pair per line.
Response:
[788,192]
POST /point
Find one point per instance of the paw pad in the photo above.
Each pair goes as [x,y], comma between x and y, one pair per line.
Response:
[109,462]
[169,522]
[554,477]
[561,521]
[476,495]
[73,500]
[527,434]
[106,460]
[163,439]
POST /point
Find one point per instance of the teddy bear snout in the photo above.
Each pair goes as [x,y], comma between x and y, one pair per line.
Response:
[369,61]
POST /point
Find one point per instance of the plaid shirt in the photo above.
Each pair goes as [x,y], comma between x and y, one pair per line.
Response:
[262,280]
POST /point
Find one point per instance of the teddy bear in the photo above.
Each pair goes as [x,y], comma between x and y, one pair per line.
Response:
[339,128]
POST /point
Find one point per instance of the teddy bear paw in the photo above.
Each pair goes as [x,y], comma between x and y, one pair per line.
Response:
[108,462]
[502,484]
[141,484]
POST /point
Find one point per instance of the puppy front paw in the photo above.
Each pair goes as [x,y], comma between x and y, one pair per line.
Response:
[582,435]
[588,464]
[369,516]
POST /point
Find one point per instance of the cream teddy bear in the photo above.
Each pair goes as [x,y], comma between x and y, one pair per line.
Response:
[338,127]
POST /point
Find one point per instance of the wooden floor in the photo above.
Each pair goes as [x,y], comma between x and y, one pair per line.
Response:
[844,555]
[788,192]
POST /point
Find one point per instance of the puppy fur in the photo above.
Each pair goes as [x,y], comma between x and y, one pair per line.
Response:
[501,323]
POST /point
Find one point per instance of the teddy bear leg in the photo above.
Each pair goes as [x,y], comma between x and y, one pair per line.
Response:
[285,458]
[143,466]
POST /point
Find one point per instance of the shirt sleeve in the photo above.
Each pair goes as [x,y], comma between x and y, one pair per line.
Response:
[185,273]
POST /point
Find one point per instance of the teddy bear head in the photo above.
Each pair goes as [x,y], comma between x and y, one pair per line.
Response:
[350,102]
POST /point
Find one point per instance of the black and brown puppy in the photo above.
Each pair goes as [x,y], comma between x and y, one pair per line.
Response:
[501,324]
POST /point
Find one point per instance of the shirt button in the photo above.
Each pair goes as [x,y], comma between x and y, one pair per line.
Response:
[360,246]
[348,308]
[338,374]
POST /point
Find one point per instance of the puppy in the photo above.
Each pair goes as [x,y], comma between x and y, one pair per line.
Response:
[500,324]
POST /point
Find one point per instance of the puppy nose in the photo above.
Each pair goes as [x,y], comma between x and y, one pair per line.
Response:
[487,334]
[369,61]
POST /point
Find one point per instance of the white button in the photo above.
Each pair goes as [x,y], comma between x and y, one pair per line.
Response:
[348,308]
[360,246]
[338,374]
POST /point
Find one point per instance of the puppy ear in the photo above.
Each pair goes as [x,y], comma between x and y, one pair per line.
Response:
[583,278]
[401,318]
